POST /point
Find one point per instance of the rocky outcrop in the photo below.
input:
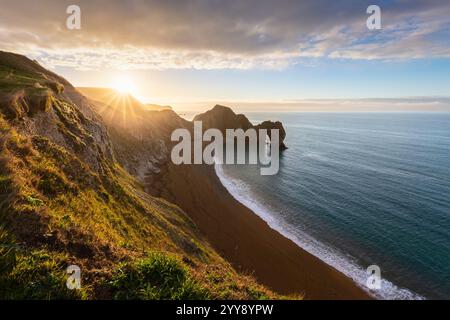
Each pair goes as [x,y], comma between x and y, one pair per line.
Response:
[268,125]
[222,118]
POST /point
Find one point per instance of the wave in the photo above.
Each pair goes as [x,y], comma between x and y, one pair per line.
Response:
[346,264]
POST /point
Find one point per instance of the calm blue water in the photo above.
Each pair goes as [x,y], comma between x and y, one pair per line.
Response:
[362,189]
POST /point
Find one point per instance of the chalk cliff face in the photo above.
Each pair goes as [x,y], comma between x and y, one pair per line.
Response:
[222,118]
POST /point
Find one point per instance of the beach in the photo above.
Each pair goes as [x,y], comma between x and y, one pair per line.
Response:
[246,240]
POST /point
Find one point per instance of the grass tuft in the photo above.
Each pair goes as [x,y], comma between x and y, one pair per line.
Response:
[159,276]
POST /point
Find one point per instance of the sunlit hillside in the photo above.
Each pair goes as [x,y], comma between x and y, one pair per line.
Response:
[66,200]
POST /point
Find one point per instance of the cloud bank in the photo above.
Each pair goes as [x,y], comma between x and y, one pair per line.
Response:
[143,34]
[416,104]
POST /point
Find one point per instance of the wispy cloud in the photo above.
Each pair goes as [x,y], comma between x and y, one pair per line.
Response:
[417,104]
[221,34]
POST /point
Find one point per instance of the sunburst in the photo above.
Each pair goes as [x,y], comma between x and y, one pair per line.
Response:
[124,85]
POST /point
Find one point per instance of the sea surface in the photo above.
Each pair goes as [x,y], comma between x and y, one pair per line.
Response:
[361,189]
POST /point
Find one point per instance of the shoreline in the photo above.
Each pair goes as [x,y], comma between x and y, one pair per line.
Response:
[247,241]
[331,256]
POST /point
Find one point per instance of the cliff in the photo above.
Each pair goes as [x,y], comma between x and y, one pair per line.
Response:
[89,183]
[72,193]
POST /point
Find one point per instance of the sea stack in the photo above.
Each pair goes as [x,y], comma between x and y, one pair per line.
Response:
[222,118]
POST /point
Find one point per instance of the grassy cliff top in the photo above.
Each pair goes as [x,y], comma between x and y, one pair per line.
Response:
[65,200]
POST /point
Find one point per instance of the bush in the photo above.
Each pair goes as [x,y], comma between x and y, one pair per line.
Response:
[157,277]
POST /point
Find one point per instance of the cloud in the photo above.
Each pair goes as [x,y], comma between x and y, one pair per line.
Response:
[143,34]
[414,104]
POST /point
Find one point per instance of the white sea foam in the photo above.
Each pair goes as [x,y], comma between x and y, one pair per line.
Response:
[241,191]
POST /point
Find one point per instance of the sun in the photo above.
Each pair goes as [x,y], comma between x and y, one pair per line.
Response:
[124,85]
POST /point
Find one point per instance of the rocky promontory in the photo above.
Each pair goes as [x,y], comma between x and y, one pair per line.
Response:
[222,118]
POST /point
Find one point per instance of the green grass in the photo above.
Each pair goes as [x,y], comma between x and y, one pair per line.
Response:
[12,79]
[159,276]
[33,275]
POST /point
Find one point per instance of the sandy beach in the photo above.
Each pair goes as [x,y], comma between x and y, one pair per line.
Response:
[246,240]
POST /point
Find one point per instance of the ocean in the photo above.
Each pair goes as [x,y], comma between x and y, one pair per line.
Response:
[361,189]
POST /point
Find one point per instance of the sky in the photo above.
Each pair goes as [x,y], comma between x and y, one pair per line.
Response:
[252,55]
